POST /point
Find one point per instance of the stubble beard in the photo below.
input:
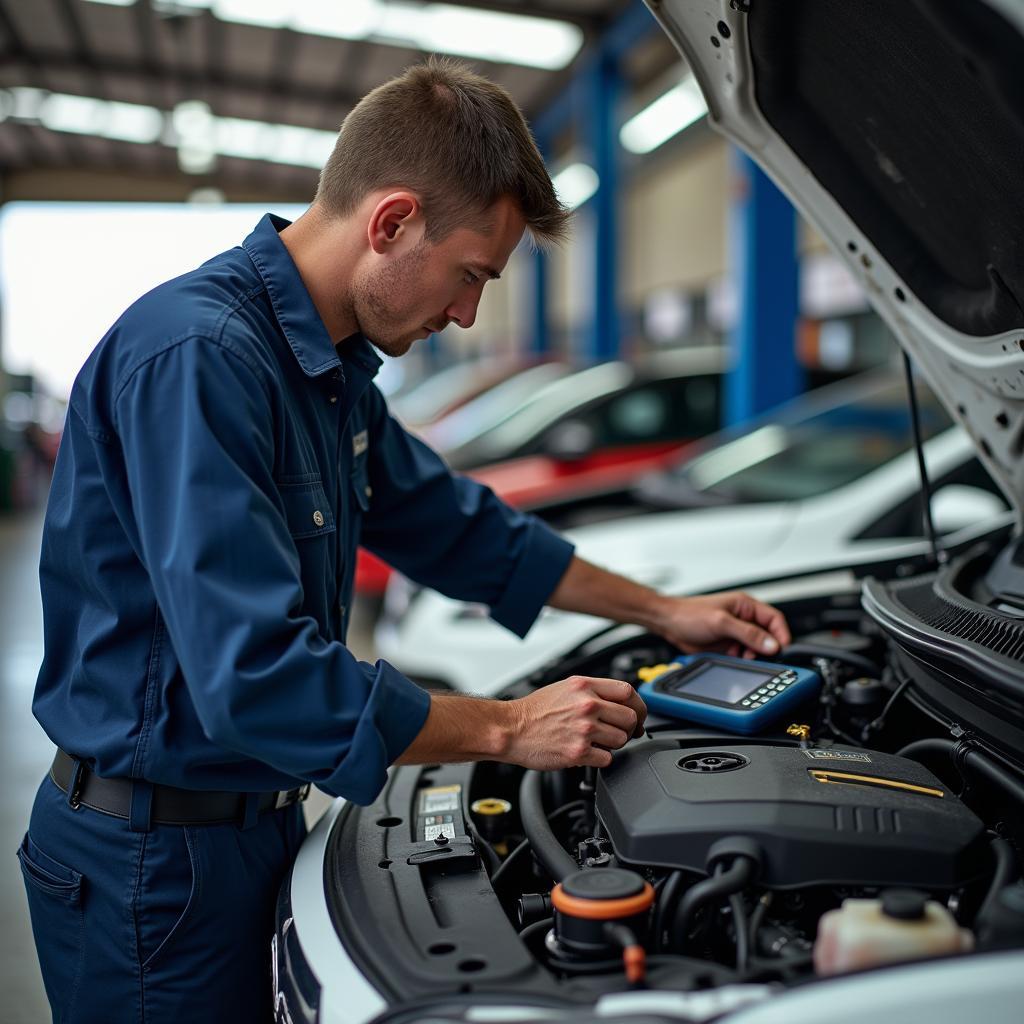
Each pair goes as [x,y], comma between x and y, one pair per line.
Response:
[376,302]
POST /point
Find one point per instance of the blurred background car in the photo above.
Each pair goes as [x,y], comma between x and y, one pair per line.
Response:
[573,442]
[828,478]
[440,393]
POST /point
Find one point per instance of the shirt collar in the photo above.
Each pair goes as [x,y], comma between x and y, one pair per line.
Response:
[293,307]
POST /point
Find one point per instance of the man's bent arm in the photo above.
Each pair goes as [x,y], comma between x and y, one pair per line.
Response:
[576,721]
[731,621]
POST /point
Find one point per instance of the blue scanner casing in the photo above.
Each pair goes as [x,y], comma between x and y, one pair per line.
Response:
[734,694]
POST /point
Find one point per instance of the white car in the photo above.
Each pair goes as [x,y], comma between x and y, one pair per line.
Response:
[829,479]
[844,845]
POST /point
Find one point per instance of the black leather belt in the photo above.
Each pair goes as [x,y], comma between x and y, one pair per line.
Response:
[170,806]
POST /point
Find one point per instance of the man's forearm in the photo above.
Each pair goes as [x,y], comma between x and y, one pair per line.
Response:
[594,591]
[460,728]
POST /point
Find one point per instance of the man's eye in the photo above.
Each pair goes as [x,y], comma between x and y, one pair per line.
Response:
[470,278]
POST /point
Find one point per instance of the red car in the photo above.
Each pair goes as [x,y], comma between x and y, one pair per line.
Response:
[579,439]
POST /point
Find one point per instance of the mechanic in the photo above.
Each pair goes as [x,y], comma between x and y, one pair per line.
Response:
[225,453]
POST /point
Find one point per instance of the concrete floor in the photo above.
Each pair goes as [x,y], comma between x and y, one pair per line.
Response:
[26,753]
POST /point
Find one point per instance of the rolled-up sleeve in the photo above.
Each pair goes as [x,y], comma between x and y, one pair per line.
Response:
[195,423]
[453,534]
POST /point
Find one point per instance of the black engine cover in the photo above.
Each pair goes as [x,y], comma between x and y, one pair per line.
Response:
[820,816]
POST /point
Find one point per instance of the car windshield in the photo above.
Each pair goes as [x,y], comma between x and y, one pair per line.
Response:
[483,413]
[496,437]
[802,456]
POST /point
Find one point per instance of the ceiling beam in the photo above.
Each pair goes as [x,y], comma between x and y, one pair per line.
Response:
[155,76]
[590,23]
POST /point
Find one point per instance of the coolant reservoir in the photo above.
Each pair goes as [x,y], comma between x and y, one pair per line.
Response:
[902,925]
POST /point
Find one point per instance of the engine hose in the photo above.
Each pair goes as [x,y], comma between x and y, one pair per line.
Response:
[634,957]
[505,866]
[723,883]
[851,658]
[546,847]
[1005,872]
[972,759]
[667,899]
[740,926]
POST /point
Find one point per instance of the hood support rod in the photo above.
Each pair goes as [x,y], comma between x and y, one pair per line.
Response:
[938,555]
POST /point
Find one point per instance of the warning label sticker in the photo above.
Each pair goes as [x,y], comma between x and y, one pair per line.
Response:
[440,799]
[431,832]
[838,755]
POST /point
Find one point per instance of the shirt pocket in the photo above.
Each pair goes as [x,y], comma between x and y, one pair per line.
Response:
[306,508]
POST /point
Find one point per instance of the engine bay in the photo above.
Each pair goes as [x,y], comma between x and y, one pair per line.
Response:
[702,858]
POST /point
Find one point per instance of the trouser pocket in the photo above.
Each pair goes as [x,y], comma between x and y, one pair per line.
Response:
[169,891]
[55,906]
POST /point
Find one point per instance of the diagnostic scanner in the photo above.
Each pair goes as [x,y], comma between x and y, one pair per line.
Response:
[733,694]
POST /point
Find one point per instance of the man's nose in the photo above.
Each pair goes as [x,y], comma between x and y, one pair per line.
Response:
[463,311]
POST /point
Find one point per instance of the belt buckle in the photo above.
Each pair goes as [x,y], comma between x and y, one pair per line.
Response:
[287,797]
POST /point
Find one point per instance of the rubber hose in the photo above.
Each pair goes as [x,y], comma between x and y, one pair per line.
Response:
[1005,872]
[733,879]
[851,658]
[974,760]
[740,925]
[546,847]
[666,904]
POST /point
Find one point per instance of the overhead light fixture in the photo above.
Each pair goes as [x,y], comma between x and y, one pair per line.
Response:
[432,27]
[576,184]
[199,135]
[667,116]
[192,128]
[83,115]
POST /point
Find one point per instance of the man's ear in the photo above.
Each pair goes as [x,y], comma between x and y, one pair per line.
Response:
[396,224]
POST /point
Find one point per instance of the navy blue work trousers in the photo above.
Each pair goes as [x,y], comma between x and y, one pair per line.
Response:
[169,924]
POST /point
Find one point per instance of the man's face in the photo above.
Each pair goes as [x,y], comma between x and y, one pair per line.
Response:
[405,298]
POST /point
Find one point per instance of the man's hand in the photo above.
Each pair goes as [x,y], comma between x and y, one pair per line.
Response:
[577,721]
[573,722]
[733,622]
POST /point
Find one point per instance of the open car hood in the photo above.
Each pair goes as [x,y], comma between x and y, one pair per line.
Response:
[897,129]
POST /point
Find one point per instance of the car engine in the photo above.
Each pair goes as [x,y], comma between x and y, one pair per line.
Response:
[700,859]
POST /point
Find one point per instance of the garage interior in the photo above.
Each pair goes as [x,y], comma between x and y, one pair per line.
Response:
[112,106]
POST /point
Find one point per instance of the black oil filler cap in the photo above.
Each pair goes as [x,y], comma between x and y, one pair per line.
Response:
[904,904]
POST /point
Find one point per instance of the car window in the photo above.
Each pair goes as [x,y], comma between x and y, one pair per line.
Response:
[659,411]
[802,457]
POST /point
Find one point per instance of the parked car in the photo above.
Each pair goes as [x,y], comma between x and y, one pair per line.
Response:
[858,855]
[831,477]
[441,393]
[581,438]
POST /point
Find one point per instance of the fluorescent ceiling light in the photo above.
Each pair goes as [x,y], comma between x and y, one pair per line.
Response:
[576,184]
[668,115]
[432,27]
[128,122]
[191,128]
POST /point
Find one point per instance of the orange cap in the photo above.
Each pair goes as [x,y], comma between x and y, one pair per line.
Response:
[602,910]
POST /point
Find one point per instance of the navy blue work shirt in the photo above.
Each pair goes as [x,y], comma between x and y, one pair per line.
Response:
[220,464]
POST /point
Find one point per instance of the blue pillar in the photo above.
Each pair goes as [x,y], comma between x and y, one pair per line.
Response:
[600,96]
[540,337]
[764,264]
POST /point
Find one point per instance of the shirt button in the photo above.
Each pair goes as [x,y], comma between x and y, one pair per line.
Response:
[369,491]
[318,518]
[341,610]
[333,399]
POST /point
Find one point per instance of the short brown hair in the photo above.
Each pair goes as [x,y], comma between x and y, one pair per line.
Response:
[456,139]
